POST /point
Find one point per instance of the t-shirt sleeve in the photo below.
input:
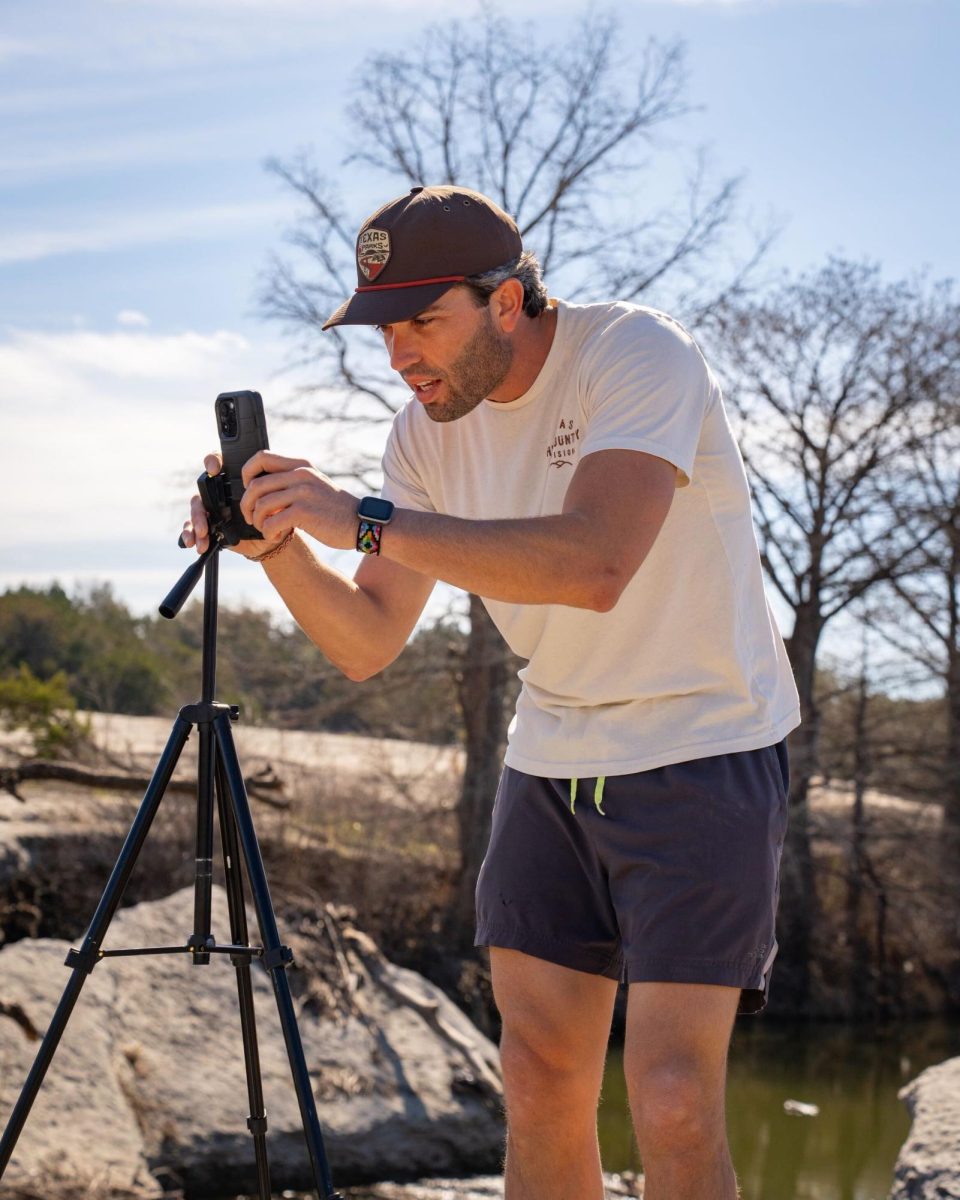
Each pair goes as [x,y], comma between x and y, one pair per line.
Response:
[401,481]
[646,387]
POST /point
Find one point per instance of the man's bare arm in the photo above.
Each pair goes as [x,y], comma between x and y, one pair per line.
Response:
[584,556]
[359,624]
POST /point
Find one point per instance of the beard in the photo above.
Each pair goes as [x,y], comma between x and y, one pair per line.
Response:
[480,368]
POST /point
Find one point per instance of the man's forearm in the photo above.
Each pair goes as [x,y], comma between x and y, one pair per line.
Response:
[534,560]
[330,608]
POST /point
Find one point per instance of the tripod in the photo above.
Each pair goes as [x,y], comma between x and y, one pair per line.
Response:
[219,776]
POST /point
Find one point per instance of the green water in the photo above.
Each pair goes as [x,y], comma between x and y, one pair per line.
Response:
[852,1073]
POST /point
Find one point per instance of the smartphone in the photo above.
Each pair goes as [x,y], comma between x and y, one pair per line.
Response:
[243,431]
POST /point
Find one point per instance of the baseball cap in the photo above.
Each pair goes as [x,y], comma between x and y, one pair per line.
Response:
[420,245]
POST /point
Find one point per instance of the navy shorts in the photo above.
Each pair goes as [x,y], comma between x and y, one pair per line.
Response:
[670,875]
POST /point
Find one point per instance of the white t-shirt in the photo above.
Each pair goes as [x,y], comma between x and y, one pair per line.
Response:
[689,663]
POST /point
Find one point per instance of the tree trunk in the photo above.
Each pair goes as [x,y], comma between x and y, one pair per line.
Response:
[481,691]
[858,947]
[798,903]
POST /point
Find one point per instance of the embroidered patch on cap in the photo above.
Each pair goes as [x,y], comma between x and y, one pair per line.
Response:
[373,251]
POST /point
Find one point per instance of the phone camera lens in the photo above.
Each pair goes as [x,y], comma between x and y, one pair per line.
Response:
[228,418]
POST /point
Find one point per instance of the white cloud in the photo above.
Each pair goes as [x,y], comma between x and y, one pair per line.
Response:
[103,435]
[131,318]
[63,361]
[116,233]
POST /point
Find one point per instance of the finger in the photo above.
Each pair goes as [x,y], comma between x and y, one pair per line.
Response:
[262,486]
[267,461]
[195,529]
[277,526]
[268,506]
[198,517]
[213,464]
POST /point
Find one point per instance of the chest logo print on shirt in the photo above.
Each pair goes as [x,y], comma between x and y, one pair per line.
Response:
[562,451]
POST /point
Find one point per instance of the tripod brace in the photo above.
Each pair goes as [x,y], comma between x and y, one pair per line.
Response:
[219,778]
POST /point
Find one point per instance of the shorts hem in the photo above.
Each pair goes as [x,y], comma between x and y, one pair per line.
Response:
[750,977]
[553,950]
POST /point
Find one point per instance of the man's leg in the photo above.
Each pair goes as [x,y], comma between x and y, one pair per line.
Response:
[556,1023]
[675,1062]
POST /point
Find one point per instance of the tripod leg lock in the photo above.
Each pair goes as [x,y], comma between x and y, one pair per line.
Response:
[280,956]
[84,960]
[257,1125]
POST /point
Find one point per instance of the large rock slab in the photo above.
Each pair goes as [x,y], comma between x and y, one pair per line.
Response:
[488,1187]
[928,1166]
[148,1084]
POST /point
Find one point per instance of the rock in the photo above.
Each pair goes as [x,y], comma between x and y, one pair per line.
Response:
[148,1084]
[928,1166]
[488,1187]
[797,1108]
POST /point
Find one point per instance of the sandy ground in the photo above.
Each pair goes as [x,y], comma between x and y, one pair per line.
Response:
[408,774]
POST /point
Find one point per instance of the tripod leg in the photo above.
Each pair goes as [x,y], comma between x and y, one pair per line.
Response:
[257,1121]
[203,881]
[84,960]
[276,957]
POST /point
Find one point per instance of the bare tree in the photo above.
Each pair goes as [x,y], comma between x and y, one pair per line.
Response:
[560,136]
[919,616]
[833,376]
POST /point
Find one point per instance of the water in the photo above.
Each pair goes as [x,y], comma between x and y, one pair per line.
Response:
[852,1073]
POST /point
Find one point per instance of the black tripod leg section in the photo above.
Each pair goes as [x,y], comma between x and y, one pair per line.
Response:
[257,1121]
[84,960]
[203,879]
[276,957]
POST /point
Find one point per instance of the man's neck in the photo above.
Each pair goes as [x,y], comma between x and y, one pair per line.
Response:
[531,345]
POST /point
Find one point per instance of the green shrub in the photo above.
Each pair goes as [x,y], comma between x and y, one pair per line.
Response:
[45,709]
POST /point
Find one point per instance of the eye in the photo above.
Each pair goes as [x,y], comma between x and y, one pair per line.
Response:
[420,322]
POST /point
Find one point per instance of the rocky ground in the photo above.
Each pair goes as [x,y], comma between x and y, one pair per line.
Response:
[355,822]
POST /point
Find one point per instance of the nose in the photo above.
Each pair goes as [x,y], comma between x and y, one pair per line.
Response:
[401,348]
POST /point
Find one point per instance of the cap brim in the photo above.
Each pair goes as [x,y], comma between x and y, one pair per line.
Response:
[387,307]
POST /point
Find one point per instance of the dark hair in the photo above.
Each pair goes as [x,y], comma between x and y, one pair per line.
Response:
[526,268]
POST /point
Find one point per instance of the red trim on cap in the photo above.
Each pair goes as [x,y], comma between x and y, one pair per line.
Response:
[384,287]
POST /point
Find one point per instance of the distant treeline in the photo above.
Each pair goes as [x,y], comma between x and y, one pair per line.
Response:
[115,661]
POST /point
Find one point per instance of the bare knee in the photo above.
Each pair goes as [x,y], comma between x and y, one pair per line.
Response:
[541,1076]
[676,1110]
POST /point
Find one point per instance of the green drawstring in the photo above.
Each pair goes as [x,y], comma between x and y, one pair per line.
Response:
[597,795]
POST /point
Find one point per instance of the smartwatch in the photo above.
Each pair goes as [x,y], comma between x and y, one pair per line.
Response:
[373,513]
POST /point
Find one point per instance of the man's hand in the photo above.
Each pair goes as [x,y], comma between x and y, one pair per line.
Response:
[196,530]
[282,494]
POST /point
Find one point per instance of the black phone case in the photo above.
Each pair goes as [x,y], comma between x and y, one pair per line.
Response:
[243,431]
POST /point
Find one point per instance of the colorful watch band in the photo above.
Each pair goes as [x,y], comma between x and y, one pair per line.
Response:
[368,537]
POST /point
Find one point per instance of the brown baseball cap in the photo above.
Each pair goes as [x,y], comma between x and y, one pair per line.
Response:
[416,247]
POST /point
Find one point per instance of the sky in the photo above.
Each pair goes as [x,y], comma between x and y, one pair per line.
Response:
[137,218]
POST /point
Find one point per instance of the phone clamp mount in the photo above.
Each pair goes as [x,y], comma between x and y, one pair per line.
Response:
[217,494]
[220,784]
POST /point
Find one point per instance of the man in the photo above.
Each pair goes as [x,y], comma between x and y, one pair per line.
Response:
[573,466]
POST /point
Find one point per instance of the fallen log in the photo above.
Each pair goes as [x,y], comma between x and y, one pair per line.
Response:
[262,784]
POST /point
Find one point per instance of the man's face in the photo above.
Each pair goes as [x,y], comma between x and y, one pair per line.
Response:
[452,355]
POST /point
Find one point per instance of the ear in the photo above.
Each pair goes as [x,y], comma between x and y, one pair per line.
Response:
[506,305]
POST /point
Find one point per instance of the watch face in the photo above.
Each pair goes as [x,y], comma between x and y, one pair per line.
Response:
[372,508]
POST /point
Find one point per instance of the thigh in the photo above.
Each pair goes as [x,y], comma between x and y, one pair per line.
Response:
[552,1014]
[543,889]
[693,853]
